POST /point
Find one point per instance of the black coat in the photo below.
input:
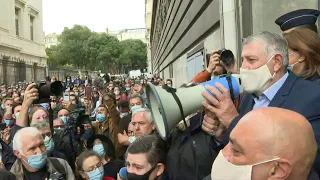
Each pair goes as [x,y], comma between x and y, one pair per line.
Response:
[8,158]
[180,160]
[62,143]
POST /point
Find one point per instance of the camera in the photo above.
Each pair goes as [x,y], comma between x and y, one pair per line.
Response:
[226,57]
[47,89]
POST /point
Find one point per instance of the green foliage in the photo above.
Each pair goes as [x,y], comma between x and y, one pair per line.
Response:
[82,48]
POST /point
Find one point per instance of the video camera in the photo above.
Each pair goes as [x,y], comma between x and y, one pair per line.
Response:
[47,89]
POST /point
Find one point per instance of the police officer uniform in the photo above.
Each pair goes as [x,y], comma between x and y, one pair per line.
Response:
[298,18]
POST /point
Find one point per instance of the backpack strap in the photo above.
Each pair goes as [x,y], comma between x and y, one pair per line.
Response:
[59,167]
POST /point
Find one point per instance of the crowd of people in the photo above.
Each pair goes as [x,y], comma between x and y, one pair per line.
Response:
[104,129]
[83,133]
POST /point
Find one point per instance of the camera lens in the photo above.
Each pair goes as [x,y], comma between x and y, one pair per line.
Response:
[227,57]
[56,88]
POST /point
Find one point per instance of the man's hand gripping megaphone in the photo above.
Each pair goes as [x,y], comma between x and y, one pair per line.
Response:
[220,110]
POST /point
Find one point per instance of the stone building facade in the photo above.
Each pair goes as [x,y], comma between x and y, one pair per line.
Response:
[184,31]
[22,51]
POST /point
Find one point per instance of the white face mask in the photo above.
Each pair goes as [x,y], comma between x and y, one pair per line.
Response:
[256,80]
[221,164]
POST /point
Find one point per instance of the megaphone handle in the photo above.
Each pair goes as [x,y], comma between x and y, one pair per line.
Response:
[192,143]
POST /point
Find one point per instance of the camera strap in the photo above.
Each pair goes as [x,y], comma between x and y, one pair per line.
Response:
[192,143]
[59,167]
[229,80]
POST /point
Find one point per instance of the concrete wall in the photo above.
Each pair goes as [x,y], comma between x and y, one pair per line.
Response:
[264,13]
[177,31]
[212,42]
[186,24]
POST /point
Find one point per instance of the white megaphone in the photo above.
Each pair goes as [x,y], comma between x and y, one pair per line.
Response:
[165,110]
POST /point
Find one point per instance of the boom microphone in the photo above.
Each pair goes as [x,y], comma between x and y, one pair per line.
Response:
[98,82]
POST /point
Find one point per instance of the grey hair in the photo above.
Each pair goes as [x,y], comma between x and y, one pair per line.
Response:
[40,124]
[18,138]
[274,43]
[145,112]
[133,96]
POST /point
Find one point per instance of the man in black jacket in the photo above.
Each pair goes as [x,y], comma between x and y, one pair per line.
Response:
[7,158]
[183,160]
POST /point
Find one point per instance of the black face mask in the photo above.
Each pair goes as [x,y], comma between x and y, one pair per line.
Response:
[145,176]
[87,134]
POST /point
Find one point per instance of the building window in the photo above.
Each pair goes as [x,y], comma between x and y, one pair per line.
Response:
[31,27]
[17,15]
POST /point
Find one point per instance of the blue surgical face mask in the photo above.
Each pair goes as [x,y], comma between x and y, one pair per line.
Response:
[136,107]
[96,174]
[65,119]
[37,161]
[290,67]
[128,89]
[99,149]
[101,117]
[4,95]
[132,139]
[17,115]
[49,144]
[45,106]
[9,122]
[3,106]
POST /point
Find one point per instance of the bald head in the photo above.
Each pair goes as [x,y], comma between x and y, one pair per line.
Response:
[270,132]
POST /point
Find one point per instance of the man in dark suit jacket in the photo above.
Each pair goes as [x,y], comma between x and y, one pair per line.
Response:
[284,90]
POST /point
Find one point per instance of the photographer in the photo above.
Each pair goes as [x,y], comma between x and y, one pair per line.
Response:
[216,67]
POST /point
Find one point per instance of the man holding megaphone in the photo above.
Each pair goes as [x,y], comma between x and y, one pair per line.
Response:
[266,82]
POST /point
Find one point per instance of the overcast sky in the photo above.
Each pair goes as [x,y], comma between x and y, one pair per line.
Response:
[96,14]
